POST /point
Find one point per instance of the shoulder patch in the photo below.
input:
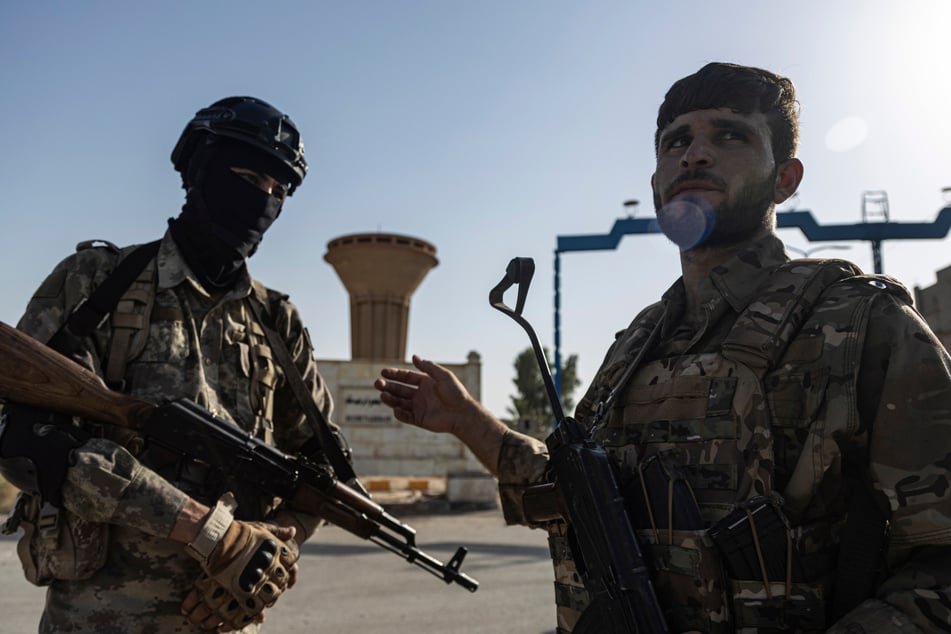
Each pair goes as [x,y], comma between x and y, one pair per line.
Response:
[876,283]
[89,244]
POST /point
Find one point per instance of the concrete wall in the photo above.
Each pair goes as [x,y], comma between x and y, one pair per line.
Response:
[381,444]
[934,304]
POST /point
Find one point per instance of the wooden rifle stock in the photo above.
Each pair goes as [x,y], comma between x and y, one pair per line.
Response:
[34,374]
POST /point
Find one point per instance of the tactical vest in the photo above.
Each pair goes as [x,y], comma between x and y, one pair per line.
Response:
[136,314]
[729,427]
[136,310]
[58,544]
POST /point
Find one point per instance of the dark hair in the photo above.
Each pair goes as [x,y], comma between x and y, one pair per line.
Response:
[743,89]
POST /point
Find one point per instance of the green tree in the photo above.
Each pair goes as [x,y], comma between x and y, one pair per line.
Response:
[530,411]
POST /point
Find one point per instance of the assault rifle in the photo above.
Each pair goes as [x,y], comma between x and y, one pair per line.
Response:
[33,374]
[584,492]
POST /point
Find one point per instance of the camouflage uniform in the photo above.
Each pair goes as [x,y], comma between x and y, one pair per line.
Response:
[862,380]
[209,350]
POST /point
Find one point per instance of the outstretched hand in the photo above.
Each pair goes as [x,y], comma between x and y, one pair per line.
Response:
[432,397]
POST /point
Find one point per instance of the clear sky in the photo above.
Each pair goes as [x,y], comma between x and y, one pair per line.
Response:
[487,128]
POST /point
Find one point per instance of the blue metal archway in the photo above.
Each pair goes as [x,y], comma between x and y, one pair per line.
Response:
[874,232]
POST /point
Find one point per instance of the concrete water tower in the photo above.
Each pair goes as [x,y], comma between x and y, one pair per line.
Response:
[380,272]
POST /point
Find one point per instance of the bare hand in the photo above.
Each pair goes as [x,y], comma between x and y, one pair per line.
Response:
[432,398]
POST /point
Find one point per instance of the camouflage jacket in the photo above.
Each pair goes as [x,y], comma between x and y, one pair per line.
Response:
[862,381]
[207,349]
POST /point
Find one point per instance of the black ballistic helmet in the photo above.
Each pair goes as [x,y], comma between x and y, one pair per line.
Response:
[250,121]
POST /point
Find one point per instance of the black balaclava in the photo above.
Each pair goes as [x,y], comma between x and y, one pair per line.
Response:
[224,217]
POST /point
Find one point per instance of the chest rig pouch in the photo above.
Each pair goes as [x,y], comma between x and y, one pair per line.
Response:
[137,309]
[248,393]
[692,437]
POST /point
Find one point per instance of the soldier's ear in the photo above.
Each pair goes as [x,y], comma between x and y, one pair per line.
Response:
[788,177]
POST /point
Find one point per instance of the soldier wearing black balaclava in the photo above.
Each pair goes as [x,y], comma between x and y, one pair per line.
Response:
[121,533]
[225,216]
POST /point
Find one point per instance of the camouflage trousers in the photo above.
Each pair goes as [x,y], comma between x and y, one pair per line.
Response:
[139,590]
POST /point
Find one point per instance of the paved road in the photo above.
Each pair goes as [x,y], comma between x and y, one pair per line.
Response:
[351,586]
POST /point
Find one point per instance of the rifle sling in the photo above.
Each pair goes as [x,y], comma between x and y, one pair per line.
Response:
[316,419]
[605,405]
[89,314]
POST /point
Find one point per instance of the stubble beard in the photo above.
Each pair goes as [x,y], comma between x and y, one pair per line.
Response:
[737,220]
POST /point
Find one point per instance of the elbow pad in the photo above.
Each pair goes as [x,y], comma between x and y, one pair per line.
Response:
[35,447]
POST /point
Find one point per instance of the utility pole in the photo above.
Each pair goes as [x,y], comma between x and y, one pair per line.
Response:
[593,242]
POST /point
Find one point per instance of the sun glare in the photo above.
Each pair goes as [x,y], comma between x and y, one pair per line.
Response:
[847,134]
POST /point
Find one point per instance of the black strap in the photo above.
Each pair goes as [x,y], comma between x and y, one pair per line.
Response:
[605,405]
[316,419]
[861,551]
[89,314]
